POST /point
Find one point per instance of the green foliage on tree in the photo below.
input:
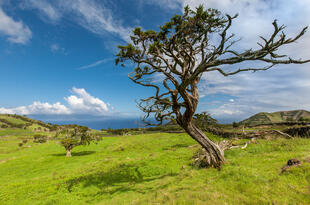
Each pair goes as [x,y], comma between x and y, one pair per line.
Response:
[235,124]
[76,136]
[204,120]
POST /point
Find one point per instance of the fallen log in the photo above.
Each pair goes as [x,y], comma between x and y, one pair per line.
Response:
[283,134]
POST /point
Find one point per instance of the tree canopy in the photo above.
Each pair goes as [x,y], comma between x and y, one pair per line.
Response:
[76,136]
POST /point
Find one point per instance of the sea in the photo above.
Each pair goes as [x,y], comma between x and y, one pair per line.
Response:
[93,122]
[99,123]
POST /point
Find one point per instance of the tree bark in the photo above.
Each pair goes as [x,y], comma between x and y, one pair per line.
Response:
[214,154]
[68,153]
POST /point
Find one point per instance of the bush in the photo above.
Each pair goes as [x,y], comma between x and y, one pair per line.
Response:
[235,124]
[4,126]
[39,138]
[118,131]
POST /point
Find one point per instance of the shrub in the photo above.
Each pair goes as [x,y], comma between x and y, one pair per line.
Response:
[235,124]
[39,138]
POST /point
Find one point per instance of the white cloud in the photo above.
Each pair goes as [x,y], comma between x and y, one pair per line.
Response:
[84,103]
[80,102]
[38,108]
[57,48]
[285,88]
[44,7]
[96,18]
[97,63]
[16,31]
[165,4]
[89,14]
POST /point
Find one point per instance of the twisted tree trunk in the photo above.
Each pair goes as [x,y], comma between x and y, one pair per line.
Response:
[214,154]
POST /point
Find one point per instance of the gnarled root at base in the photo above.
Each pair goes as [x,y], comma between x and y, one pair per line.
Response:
[202,159]
[211,155]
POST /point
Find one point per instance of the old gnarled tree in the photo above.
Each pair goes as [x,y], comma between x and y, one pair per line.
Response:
[180,52]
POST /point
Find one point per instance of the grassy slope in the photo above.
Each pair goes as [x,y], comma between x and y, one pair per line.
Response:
[18,121]
[12,120]
[147,169]
[264,117]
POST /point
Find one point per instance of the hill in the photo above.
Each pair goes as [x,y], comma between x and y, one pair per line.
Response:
[18,121]
[277,117]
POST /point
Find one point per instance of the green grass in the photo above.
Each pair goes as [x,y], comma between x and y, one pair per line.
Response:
[12,120]
[149,169]
[274,117]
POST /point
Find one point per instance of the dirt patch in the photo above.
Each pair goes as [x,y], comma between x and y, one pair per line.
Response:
[6,160]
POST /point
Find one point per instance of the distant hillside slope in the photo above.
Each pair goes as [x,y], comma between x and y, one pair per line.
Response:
[277,117]
[18,121]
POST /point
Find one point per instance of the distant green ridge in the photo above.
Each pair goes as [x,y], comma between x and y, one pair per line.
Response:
[18,121]
[277,117]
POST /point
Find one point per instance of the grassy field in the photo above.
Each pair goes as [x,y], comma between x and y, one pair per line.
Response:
[149,169]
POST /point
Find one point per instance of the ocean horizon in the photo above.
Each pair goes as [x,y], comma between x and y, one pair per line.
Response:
[103,124]
[99,123]
[92,122]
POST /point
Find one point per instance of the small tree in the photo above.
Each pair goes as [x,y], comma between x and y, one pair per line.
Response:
[76,136]
[235,124]
[180,52]
[204,120]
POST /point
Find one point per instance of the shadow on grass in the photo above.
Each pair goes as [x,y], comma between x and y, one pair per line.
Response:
[82,153]
[121,178]
[176,146]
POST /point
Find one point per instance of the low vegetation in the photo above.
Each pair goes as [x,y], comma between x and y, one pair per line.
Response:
[38,138]
[151,167]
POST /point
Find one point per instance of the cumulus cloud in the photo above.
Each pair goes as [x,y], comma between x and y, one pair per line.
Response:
[80,102]
[37,108]
[89,14]
[16,31]
[83,103]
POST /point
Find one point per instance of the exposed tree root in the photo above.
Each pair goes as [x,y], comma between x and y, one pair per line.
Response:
[202,159]
[228,144]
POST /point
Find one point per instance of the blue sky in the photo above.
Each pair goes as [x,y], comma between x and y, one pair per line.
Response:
[57,57]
